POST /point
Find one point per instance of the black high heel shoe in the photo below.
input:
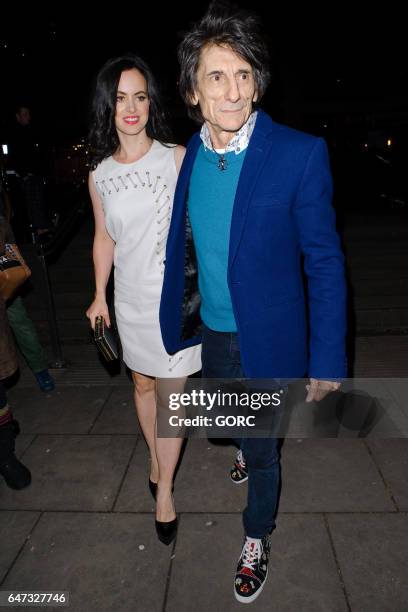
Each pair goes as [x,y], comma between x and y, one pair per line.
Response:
[153,488]
[166,532]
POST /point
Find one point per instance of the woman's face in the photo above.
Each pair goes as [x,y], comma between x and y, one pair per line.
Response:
[132,103]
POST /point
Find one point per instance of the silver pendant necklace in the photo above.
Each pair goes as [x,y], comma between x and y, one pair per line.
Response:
[222,162]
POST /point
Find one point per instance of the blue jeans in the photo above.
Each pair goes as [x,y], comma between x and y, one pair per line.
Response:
[221,359]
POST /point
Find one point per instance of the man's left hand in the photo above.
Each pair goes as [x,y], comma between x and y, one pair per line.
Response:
[318,389]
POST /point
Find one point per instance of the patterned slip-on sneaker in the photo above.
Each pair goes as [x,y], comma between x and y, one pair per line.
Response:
[252,569]
[239,472]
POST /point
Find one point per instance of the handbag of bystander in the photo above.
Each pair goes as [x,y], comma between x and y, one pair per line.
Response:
[13,270]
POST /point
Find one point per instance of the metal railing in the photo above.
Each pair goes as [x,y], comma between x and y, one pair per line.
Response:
[43,251]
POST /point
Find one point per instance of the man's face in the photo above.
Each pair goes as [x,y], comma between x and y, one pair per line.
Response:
[23,116]
[225,92]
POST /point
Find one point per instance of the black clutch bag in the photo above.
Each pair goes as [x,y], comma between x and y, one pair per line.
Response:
[105,339]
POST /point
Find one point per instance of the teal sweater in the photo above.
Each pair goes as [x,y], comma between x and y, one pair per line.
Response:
[210,203]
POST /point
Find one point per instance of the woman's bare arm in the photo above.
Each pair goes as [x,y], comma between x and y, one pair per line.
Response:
[103,249]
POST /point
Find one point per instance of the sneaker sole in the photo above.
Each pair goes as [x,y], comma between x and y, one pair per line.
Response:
[252,598]
[239,481]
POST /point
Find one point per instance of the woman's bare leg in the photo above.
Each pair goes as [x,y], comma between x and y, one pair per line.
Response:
[145,402]
[167,451]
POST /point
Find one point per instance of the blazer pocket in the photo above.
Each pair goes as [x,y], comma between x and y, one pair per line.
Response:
[276,300]
[272,200]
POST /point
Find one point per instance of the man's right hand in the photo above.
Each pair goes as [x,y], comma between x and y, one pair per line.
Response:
[98,307]
[318,389]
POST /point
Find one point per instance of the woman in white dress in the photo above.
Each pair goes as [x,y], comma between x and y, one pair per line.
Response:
[131,184]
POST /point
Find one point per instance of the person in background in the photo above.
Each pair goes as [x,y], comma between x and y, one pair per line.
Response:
[15,474]
[27,184]
[21,324]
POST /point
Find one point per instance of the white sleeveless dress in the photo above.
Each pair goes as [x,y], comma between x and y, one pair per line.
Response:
[137,199]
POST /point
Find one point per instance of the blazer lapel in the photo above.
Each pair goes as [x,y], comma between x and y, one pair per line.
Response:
[254,161]
[178,216]
[186,169]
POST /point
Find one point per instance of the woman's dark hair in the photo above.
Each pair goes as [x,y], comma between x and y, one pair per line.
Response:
[226,25]
[103,138]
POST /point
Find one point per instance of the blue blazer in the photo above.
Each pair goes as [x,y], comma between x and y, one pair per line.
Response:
[285,266]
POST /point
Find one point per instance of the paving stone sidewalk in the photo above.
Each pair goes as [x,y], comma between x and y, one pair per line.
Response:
[86,523]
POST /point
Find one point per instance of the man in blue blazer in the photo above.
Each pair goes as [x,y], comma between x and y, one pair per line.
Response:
[253,209]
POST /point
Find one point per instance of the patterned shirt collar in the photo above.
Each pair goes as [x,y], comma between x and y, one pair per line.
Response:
[239,142]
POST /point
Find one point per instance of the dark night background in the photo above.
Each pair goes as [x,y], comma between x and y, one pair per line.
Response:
[338,71]
[85,524]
